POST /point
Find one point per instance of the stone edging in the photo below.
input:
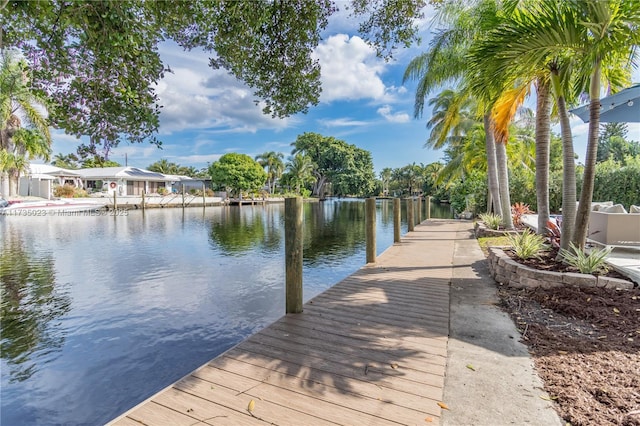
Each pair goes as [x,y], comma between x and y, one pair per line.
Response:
[507,271]
[481,230]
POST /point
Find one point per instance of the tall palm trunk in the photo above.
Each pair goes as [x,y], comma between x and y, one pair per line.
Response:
[492,167]
[543,142]
[503,179]
[568,177]
[582,216]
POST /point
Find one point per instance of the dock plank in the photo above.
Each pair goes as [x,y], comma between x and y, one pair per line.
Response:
[371,350]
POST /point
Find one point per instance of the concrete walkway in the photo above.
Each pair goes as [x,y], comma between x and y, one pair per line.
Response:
[490,376]
[415,339]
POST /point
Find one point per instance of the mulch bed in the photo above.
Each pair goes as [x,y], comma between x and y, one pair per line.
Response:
[585,343]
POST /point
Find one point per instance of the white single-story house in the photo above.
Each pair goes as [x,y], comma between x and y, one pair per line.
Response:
[123,180]
[41,179]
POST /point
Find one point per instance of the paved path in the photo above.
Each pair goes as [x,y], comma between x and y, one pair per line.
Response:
[371,350]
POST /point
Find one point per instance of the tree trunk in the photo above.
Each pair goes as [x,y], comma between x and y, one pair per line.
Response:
[4,184]
[543,142]
[568,177]
[492,168]
[503,183]
[582,216]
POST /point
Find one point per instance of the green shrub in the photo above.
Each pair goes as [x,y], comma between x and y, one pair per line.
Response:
[527,244]
[492,221]
[592,263]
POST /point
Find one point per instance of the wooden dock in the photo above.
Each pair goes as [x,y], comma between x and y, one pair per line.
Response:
[370,350]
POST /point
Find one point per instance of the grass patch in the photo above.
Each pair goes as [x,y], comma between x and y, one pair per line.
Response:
[492,242]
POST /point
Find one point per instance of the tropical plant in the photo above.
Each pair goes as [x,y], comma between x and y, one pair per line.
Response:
[19,143]
[554,234]
[492,221]
[273,163]
[517,211]
[68,161]
[299,172]
[164,166]
[526,244]
[592,263]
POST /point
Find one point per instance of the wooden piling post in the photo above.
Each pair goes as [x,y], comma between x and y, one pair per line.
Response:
[396,220]
[419,210]
[115,202]
[204,196]
[143,199]
[429,207]
[410,214]
[293,254]
[183,196]
[370,229]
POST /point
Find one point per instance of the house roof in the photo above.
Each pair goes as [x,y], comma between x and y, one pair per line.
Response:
[131,173]
[39,169]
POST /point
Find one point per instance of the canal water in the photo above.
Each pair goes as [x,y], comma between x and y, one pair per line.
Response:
[100,312]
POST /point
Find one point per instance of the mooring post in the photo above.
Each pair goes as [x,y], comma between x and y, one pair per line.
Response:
[410,214]
[115,203]
[370,228]
[419,210]
[429,207]
[143,199]
[183,196]
[293,254]
[204,199]
[397,218]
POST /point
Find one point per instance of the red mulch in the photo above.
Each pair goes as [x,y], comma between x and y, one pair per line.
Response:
[585,343]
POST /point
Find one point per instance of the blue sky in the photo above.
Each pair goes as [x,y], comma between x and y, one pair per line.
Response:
[209,113]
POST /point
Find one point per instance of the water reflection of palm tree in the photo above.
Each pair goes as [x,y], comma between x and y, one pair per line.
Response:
[30,304]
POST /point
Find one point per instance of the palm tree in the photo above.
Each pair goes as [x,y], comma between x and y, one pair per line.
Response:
[446,61]
[300,169]
[578,43]
[68,161]
[609,41]
[385,177]
[273,163]
[19,144]
[164,166]
[451,118]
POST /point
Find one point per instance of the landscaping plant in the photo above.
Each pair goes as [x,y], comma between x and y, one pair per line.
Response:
[527,244]
[592,263]
[492,221]
[517,211]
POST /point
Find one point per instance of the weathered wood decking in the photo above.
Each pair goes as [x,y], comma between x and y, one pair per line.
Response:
[371,350]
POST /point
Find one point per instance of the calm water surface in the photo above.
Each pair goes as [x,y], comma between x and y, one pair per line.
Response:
[99,313]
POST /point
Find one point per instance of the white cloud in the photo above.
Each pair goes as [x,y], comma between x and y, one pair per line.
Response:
[193,99]
[342,122]
[350,69]
[398,117]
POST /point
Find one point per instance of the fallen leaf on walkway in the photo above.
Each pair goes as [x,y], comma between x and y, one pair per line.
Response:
[252,405]
[547,398]
[471,367]
[428,419]
[394,365]
[443,405]
[616,310]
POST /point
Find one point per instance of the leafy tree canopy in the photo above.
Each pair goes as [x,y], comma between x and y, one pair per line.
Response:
[98,60]
[239,172]
[347,167]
